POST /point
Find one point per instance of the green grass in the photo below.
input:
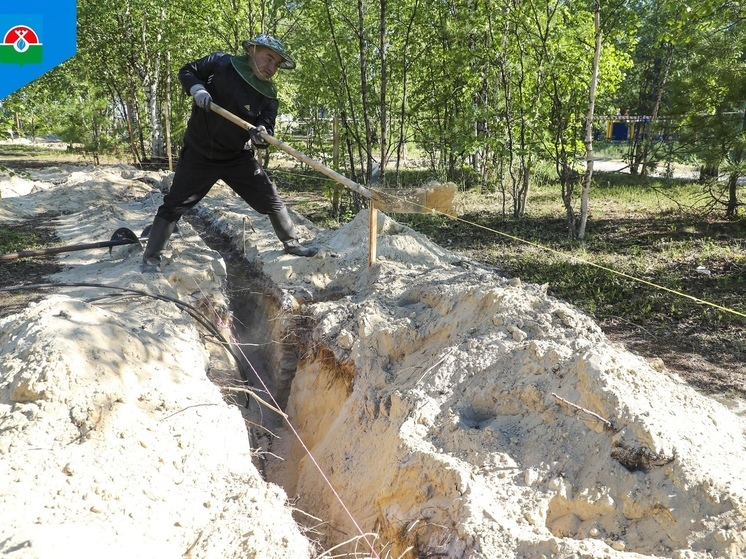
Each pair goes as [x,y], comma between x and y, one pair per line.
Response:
[26,150]
[28,235]
[15,239]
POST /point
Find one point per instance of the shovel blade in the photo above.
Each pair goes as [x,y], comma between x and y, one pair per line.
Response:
[123,236]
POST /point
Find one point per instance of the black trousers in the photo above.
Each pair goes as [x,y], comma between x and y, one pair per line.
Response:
[195,175]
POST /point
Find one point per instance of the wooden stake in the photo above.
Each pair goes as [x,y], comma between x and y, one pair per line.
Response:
[373,228]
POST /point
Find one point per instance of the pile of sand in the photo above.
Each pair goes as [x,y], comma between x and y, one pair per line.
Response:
[114,441]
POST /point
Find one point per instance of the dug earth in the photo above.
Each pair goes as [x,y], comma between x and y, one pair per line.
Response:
[421,406]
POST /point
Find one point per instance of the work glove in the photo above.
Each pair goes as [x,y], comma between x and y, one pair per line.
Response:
[256,138]
[202,97]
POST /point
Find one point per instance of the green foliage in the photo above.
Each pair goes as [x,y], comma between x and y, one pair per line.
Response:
[14,239]
[484,93]
[24,236]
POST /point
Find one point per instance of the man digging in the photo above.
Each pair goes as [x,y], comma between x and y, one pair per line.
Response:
[215,148]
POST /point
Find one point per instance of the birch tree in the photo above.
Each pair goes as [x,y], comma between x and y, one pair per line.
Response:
[588,176]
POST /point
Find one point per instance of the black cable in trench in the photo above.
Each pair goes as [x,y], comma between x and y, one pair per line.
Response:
[193,312]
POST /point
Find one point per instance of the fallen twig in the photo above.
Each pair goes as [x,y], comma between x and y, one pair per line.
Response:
[188,552]
[184,409]
[584,410]
[449,352]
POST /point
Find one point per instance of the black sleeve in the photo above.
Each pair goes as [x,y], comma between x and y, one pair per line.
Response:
[198,71]
[268,116]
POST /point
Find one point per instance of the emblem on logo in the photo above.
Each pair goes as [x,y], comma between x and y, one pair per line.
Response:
[21,45]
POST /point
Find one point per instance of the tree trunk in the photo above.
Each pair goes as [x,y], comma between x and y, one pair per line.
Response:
[350,133]
[367,109]
[149,76]
[646,127]
[384,124]
[732,208]
[585,193]
[131,131]
[167,113]
[154,115]
[337,192]
[350,151]
[400,145]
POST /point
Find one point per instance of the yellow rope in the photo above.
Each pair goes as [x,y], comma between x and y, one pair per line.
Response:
[599,266]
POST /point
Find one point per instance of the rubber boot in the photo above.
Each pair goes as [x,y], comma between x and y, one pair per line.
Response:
[285,231]
[160,232]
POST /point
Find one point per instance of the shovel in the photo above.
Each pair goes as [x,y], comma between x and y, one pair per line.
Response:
[121,236]
[352,185]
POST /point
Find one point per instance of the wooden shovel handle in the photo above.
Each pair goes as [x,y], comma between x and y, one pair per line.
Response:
[352,185]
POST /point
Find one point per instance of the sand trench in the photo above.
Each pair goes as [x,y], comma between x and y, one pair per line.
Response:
[456,412]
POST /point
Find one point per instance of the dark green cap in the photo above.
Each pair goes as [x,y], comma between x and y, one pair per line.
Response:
[270,42]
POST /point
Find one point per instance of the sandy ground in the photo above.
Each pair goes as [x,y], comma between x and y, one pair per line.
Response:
[114,442]
[436,409]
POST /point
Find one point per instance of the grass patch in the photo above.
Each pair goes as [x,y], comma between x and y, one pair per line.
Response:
[28,156]
[21,237]
[32,234]
[26,150]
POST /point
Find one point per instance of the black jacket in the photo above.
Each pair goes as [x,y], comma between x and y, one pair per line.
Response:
[209,133]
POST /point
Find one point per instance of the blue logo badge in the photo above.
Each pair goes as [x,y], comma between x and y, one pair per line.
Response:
[34,41]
